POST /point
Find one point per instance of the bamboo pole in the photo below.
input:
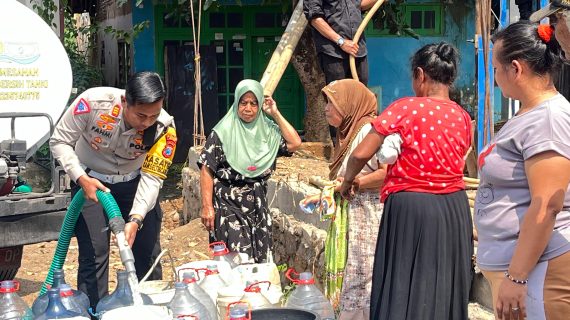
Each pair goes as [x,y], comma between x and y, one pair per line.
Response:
[282,54]
[359,31]
[319,182]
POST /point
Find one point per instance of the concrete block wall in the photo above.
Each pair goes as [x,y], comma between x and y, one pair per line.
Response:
[299,238]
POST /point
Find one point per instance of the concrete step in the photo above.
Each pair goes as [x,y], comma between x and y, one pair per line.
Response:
[478,312]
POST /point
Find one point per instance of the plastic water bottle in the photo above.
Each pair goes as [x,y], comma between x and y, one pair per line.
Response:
[307,296]
[222,253]
[56,309]
[12,307]
[197,292]
[121,297]
[70,302]
[239,311]
[308,208]
[40,304]
[184,306]
[254,297]
[212,282]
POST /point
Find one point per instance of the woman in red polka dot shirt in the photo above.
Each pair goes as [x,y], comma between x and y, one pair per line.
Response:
[424,250]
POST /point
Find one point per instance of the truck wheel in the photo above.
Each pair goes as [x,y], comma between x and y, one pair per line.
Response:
[10,262]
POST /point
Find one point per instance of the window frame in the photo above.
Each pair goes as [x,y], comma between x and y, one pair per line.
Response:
[408,8]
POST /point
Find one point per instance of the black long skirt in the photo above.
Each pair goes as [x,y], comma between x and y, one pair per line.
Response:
[422,267]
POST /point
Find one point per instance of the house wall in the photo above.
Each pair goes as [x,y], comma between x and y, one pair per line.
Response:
[390,74]
[389,56]
[120,18]
[144,44]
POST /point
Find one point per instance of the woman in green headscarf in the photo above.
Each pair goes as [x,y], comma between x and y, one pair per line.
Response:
[236,162]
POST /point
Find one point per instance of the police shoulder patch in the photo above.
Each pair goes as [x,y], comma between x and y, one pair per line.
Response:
[81,107]
[159,157]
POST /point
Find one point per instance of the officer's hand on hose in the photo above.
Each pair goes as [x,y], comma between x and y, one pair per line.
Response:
[90,187]
[131,229]
[350,47]
[208,218]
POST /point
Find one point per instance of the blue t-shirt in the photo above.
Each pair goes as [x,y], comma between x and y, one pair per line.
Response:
[503,197]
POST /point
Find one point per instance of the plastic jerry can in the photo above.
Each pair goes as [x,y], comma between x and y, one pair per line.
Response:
[40,304]
[70,302]
[56,309]
[307,296]
[185,306]
[189,278]
[212,282]
[254,297]
[221,253]
[12,307]
[121,297]
[238,311]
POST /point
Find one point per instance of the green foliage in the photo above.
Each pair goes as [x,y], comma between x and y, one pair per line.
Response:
[392,15]
[288,289]
[84,75]
[46,10]
[127,36]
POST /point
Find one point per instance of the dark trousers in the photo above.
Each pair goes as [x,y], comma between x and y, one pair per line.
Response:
[93,235]
[337,69]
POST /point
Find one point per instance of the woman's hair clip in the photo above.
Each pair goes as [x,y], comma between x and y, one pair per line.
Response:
[545,32]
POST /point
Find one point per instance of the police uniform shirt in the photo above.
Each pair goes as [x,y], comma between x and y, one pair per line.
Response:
[92,134]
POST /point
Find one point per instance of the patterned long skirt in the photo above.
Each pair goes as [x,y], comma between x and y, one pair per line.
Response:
[364,215]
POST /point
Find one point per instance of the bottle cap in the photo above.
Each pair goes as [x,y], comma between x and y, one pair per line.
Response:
[9,286]
[188,277]
[180,285]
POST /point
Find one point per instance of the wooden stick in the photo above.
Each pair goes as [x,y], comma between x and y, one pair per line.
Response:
[320,182]
[282,54]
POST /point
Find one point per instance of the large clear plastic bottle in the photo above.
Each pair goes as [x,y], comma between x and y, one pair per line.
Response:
[70,302]
[239,311]
[56,309]
[212,282]
[307,296]
[197,292]
[184,306]
[121,297]
[222,253]
[12,307]
[40,304]
[253,296]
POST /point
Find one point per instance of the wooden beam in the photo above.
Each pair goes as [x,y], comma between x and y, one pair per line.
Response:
[282,54]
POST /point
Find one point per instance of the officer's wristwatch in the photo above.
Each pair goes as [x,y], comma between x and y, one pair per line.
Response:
[340,41]
[137,221]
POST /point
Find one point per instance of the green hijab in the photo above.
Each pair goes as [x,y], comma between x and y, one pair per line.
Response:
[250,148]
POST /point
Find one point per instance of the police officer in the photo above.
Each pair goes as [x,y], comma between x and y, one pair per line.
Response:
[122,142]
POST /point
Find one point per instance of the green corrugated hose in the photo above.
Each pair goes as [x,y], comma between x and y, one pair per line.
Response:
[68,227]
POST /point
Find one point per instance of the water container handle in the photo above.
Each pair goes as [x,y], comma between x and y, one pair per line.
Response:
[254,287]
[196,272]
[187,317]
[211,248]
[297,281]
[229,306]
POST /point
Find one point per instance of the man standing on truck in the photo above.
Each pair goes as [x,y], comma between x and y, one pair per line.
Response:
[122,142]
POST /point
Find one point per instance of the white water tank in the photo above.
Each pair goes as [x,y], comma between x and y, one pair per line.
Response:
[35,74]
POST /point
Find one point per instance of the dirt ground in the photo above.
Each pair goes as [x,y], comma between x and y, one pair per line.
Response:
[185,243]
